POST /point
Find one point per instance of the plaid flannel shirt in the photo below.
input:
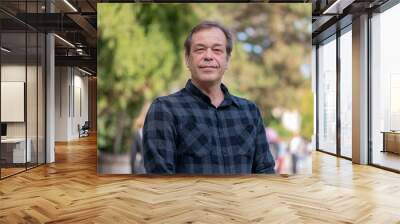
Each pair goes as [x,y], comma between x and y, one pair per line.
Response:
[185,133]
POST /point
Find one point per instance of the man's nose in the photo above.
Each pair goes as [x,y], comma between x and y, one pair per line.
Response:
[208,54]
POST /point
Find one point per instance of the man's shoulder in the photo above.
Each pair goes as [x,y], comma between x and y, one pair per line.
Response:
[244,103]
[169,100]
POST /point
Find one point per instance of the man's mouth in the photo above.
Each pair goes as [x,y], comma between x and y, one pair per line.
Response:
[208,67]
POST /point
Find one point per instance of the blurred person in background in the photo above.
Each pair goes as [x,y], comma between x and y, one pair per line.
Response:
[299,149]
[278,149]
[137,163]
[273,140]
[294,147]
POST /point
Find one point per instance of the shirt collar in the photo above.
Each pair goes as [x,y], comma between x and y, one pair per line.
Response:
[228,98]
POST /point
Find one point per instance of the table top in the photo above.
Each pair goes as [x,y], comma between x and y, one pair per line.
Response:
[13,140]
[391,132]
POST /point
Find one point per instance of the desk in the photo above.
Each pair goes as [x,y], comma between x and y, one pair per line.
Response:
[391,141]
[16,147]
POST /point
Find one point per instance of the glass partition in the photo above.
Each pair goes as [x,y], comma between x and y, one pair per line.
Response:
[14,153]
[22,77]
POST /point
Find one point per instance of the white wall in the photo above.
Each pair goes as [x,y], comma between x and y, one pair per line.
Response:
[61,103]
[13,73]
[71,94]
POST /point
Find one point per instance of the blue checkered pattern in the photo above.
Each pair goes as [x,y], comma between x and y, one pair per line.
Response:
[185,133]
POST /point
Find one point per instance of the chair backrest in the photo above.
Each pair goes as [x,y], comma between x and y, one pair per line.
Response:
[86,125]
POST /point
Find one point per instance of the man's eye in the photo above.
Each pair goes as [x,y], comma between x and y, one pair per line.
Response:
[218,50]
[199,50]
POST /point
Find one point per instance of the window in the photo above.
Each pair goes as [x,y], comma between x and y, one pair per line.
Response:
[327,95]
[385,88]
[346,92]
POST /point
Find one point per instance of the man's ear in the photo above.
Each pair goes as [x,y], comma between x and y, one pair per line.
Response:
[228,60]
[187,61]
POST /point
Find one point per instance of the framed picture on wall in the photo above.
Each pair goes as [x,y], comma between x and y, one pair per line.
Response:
[12,101]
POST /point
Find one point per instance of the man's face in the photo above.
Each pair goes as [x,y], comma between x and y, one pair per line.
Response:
[207,60]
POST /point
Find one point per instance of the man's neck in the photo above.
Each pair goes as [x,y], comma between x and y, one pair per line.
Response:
[213,91]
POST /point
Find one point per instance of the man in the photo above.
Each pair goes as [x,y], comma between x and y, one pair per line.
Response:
[203,129]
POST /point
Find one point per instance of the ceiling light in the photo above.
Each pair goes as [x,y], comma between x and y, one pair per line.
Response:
[337,7]
[5,50]
[84,71]
[65,41]
[71,6]
[80,51]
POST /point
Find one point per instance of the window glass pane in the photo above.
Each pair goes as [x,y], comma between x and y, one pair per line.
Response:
[346,94]
[327,96]
[386,88]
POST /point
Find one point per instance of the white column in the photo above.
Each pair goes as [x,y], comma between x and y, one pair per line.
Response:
[50,100]
[50,92]
[360,90]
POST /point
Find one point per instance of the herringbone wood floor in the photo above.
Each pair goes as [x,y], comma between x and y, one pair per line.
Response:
[70,191]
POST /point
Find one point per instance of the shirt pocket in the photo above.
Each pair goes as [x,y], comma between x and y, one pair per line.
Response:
[195,139]
[243,141]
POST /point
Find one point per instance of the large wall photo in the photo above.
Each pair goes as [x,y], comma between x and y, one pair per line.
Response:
[141,56]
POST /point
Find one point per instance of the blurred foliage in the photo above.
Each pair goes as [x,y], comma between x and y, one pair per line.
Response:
[306,109]
[140,56]
[139,53]
[273,77]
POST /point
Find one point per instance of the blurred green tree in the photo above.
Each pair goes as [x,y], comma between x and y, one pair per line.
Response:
[139,53]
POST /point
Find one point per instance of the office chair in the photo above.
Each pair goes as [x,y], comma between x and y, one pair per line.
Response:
[84,130]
